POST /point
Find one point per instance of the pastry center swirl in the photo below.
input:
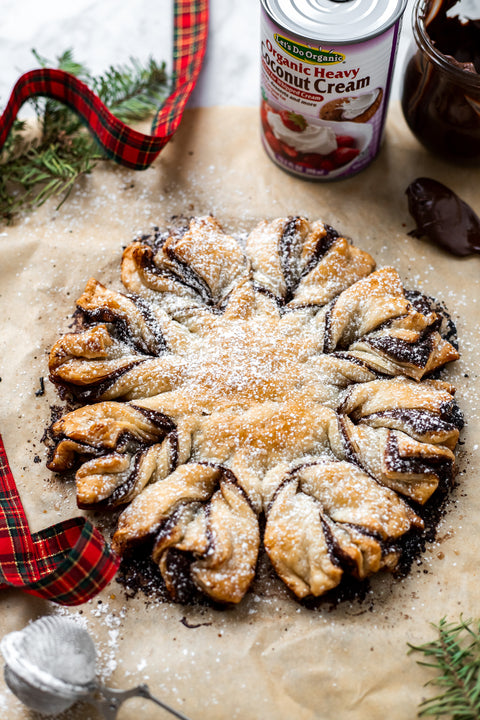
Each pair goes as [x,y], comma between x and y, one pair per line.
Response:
[247,362]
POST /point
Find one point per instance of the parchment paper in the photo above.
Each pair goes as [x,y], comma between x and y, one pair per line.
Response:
[269,658]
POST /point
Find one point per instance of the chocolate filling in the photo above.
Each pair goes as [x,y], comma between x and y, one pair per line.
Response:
[173,441]
[420,302]
[268,293]
[229,477]
[179,579]
[439,466]
[289,477]
[451,413]
[287,246]
[148,264]
[152,323]
[323,246]
[337,556]
[401,351]
[121,325]
[348,448]
[139,572]
[363,530]
[178,562]
[158,419]
[124,440]
[191,277]
[162,422]
[93,391]
[328,345]
[421,422]
[83,451]
[343,355]
[168,526]
[121,492]
[288,249]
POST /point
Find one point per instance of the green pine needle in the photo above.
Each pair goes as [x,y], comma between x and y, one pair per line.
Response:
[34,170]
[132,92]
[455,655]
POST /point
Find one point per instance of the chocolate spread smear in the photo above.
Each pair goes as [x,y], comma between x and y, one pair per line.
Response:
[443,217]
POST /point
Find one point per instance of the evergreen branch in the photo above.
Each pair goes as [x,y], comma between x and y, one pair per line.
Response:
[65,62]
[455,655]
[34,170]
[132,92]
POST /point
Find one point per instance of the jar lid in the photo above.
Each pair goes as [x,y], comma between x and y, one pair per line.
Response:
[345,21]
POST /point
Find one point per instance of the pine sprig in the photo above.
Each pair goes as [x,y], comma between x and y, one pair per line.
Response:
[34,169]
[455,655]
[131,91]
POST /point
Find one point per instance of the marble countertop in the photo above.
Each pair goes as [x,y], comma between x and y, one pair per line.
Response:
[109,33]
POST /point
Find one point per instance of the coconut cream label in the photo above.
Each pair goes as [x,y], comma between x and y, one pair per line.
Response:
[323,104]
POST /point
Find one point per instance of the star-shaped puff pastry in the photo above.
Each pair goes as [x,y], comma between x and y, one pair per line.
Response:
[286,379]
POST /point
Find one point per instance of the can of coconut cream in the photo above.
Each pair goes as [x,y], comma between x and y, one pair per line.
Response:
[326,74]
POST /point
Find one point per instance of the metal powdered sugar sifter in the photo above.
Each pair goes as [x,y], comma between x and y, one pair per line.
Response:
[50,665]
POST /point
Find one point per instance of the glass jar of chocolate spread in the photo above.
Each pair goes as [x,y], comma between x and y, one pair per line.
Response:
[441,90]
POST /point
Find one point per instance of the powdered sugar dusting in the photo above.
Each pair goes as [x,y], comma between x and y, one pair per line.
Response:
[235,365]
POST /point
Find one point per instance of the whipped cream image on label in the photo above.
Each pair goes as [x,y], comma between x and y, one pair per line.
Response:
[312,139]
[324,91]
[357,105]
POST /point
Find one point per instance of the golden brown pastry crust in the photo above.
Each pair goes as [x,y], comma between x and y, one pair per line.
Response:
[286,380]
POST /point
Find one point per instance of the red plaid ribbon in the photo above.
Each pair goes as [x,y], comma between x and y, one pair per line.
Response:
[70,562]
[123,144]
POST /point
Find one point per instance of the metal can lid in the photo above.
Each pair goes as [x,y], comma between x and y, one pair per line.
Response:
[345,21]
